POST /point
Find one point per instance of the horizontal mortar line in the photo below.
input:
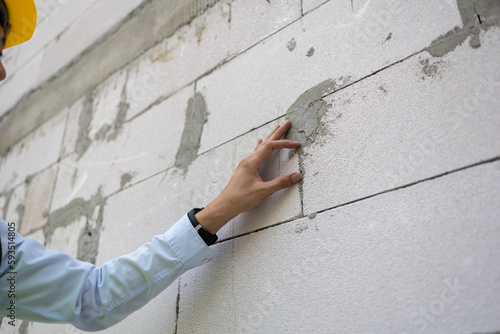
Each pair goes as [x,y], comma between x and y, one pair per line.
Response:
[243,134]
[28,178]
[484,162]
[372,74]
[157,102]
[262,228]
[138,182]
[312,10]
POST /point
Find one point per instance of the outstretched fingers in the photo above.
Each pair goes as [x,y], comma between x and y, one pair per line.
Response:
[280,131]
[266,148]
[273,132]
[282,182]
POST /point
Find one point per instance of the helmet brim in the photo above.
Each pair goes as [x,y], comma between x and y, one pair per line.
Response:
[22,20]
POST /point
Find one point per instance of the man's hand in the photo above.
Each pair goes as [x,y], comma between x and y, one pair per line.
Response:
[246,189]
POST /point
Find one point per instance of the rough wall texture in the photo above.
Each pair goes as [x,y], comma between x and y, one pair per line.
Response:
[113,126]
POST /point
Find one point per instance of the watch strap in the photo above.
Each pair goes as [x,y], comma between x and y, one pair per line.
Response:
[209,239]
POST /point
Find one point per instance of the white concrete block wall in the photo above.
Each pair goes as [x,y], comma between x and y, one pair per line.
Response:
[394,228]
[395,263]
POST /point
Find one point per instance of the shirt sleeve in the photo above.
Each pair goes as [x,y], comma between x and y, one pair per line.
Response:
[54,287]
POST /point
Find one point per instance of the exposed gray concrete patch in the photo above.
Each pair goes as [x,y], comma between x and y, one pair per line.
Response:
[20,212]
[199,29]
[388,37]
[126,178]
[74,177]
[121,116]
[23,329]
[430,68]
[196,116]
[291,44]
[103,132]
[488,12]
[88,243]
[310,53]
[306,115]
[5,208]
[308,110]
[71,212]
[475,15]
[83,141]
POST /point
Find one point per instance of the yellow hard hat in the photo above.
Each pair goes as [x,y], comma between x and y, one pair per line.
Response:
[18,20]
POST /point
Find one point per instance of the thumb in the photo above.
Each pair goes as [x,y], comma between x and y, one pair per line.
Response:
[283,182]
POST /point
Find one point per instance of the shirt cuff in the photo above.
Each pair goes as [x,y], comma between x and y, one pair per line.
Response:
[189,247]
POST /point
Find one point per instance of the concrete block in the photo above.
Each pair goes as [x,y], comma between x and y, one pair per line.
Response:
[16,85]
[331,43]
[34,153]
[106,161]
[109,108]
[220,33]
[38,196]
[72,127]
[420,118]
[413,260]
[136,214]
[94,23]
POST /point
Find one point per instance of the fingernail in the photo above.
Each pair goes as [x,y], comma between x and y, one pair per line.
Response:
[296,178]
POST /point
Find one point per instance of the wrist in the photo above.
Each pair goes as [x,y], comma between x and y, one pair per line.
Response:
[214,216]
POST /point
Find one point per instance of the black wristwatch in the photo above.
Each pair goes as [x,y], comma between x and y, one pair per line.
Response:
[209,239]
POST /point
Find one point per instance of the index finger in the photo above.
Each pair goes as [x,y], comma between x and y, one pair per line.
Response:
[280,132]
[265,150]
